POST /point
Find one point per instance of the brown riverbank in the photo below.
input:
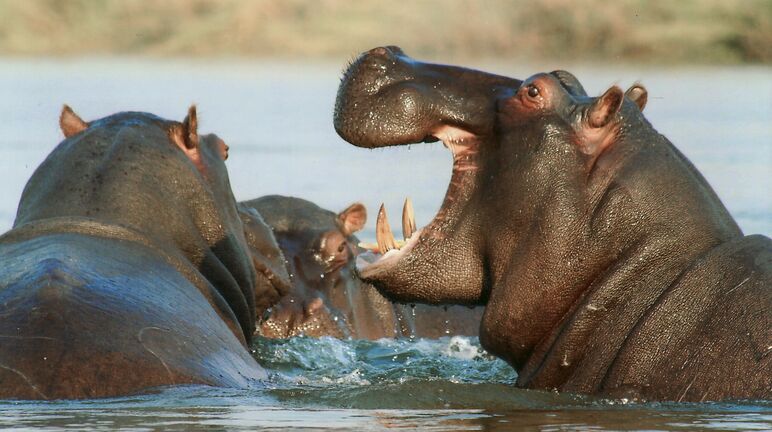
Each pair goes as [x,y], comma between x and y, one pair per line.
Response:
[705,31]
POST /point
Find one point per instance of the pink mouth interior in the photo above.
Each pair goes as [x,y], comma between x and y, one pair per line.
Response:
[464,147]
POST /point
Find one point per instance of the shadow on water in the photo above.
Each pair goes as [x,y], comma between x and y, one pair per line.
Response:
[455,384]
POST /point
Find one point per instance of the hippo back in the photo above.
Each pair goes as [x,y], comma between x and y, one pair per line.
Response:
[127,258]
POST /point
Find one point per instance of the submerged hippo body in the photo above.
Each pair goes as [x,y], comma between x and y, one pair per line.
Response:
[606,263]
[326,298]
[127,266]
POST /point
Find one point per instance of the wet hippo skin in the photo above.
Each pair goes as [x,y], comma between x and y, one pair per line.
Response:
[126,267]
[606,262]
[327,298]
[272,282]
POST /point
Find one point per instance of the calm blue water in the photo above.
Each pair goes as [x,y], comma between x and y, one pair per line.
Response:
[277,118]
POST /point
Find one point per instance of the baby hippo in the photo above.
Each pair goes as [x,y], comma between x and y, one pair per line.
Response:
[326,297]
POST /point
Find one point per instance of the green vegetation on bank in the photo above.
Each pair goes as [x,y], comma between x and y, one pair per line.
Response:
[661,31]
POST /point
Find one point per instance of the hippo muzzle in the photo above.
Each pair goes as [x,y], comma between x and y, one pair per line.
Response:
[387,98]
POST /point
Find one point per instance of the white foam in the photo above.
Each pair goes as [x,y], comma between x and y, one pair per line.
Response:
[461,347]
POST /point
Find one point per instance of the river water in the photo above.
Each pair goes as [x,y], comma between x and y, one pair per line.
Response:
[277,119]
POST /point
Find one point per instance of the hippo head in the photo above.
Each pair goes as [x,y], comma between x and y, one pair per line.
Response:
[385,99]
[163,181]
[511,141]
[319,247]
[539,203]
[317,243]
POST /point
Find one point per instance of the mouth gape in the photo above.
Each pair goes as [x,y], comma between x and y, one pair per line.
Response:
[464,147]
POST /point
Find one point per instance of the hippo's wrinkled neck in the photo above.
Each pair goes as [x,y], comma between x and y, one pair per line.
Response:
[602,259]
[584,344]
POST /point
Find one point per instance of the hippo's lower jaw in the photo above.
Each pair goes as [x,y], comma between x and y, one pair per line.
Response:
[369,269]
[465,149]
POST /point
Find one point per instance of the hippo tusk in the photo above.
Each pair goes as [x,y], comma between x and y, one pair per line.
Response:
[383,235]
[408,219]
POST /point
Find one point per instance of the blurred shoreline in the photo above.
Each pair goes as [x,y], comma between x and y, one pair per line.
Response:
[277,118]
[625,31]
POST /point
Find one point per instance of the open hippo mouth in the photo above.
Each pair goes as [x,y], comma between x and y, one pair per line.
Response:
[386,99]
[464,147]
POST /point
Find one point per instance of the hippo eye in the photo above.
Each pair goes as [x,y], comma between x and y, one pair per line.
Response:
[533,91]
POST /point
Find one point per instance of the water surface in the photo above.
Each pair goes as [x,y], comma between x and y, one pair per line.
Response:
[444,384]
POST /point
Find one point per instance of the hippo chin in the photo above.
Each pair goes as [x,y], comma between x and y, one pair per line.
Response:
[606,262]
[127,266]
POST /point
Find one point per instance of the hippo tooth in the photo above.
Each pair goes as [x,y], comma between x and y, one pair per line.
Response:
[383,235]
[408,219]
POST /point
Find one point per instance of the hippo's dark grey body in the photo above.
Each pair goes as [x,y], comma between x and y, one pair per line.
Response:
[127,267]
[606,262]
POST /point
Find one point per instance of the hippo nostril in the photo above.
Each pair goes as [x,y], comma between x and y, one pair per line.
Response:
[378,59]
[382,55]
[389,52]
[376,63]
[395,50]
[380,51]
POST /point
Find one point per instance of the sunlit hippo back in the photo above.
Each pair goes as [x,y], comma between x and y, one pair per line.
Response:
[127,266]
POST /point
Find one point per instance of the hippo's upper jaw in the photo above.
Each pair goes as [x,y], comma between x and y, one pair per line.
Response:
[387,99]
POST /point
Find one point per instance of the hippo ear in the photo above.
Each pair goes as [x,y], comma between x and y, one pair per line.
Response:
[190,128]
[605,107]
[185,137]
[353,218]
[638,94]
[70,123]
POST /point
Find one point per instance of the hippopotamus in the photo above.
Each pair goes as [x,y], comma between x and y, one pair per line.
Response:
[607,264]
[273,281]
[316,245]
[127,267]
[326,298]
